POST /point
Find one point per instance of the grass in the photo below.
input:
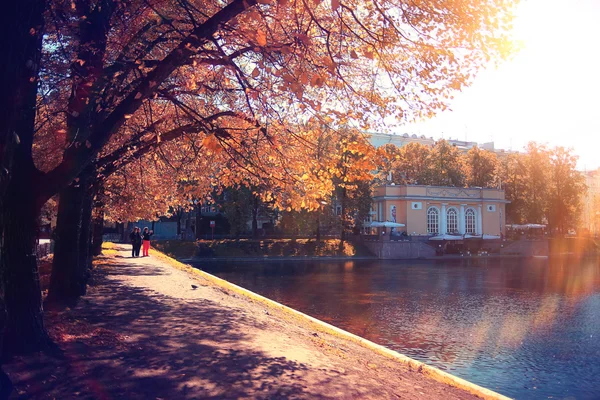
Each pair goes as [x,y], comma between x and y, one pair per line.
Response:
[177,248]
[109,249]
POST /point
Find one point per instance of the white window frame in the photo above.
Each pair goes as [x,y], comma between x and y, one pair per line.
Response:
[470,221]
[433,226]
[452,223]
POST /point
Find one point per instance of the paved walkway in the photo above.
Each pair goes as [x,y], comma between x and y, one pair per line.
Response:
[147,330]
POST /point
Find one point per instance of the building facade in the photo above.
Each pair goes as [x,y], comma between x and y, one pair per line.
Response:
[439,210]
[399,140]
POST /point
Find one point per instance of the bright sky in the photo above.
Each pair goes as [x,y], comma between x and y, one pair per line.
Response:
[549,92]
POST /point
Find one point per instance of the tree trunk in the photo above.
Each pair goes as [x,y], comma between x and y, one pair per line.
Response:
[72,247]
[255,217]
[319,224]
[23,23]
[198,221]
[97,230]
[343,233]
[85,239]
[179,215]
[24,330]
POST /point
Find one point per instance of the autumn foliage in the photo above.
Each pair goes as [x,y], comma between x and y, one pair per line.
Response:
[146,103]
[541,183]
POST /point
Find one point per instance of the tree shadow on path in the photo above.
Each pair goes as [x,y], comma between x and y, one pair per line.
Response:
[165,349]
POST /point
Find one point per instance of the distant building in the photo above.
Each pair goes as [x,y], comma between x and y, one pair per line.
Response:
[381,139]
[439,210]
[399,140]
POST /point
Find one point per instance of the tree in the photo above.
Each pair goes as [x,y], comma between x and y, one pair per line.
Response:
[338,165]
[594,214]
[23,23]
[409,164]
[537,167]
[237,208]
[264,65]
[481,168]
[359,205]
[513,180]
[447,167]
[415,164]
[387,157]
[566,189]
[352,163]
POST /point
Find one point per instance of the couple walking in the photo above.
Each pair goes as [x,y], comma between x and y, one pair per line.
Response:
[137,238]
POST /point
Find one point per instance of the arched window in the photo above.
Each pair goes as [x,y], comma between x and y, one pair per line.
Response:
[452,220]
[470,222]
[433,220]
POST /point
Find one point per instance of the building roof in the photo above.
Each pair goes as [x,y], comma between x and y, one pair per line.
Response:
[379,139]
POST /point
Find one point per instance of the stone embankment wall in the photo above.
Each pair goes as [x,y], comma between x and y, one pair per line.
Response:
[392,250]
[552,246]
[527,248]
[573,245]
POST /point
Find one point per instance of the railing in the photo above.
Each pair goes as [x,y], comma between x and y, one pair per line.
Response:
[112,237]
[370,238]
[44,247]
[208,236]
[401,238]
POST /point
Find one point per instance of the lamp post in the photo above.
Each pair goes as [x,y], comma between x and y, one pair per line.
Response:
[323,203]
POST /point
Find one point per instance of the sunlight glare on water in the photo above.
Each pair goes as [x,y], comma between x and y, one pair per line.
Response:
[527,328]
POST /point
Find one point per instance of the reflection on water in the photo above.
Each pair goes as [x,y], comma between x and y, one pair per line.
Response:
[529,329]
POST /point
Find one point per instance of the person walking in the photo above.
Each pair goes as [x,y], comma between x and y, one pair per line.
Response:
[136,242]
[146,239]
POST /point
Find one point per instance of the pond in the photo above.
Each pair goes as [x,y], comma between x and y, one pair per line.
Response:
[526,328]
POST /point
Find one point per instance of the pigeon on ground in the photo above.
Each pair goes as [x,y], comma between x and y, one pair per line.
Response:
[194,287]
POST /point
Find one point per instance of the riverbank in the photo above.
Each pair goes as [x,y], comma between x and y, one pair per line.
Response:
[299,250]
[155,328]
[448,257]
[261,248]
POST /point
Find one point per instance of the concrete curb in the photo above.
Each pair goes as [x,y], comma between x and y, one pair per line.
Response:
[275,259]
[324,327]
[328,258]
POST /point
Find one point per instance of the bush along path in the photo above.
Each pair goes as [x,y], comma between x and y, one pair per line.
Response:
[150,329]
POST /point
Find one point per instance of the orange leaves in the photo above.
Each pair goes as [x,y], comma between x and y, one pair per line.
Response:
[317,80]
[261,38]
[211,143]
[303,38]
[288,78]
[303,78]
[279,63]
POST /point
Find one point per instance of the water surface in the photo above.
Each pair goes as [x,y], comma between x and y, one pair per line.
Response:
[527,328]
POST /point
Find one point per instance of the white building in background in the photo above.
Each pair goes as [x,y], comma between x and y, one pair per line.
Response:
[399,140]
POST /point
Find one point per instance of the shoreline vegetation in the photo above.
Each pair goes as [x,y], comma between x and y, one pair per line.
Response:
[261,248]
[156,327]
[271,250]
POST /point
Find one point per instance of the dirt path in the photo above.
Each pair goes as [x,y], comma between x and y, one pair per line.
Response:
[144,332]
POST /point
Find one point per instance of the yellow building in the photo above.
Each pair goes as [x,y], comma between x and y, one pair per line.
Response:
[439,210]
